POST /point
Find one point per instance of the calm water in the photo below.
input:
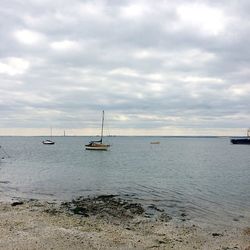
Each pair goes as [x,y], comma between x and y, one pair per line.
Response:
[207,178]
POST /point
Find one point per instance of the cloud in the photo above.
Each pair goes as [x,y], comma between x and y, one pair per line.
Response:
[13,66]
[123,71]
[64,45]
[155,67]
[28,37]
[208,20]
[135,10]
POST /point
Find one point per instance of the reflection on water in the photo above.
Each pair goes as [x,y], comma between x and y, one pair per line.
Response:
[206,178]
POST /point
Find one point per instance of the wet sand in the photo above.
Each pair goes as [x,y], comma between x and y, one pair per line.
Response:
[107,222]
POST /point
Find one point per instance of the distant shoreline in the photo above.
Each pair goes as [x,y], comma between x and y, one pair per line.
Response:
[157,136]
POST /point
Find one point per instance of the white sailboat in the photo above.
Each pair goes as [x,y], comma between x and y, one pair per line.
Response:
[49,142]
[98,145]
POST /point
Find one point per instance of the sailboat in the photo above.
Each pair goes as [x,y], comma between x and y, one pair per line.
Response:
[98,145]
[49,142]
[244,140]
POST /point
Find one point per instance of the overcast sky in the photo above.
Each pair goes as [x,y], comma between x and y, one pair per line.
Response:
[156,67]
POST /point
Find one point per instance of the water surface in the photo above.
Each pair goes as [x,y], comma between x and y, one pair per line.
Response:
[206,178]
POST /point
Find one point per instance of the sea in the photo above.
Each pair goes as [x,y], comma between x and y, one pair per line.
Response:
[202,179]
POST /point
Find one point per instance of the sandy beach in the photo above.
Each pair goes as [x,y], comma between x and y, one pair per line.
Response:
[106,223]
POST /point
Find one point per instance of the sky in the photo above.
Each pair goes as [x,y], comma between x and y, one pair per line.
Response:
[156,67]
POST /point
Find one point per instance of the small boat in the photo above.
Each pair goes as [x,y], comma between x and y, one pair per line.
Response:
[154,142]
[49,142]
[245,140]
[98,145]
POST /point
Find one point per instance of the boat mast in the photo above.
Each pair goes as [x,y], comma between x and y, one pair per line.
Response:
[102,125]
[51,133]
[248,133]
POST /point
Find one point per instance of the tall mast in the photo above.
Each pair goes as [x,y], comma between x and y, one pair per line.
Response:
[102,124]
[51,133]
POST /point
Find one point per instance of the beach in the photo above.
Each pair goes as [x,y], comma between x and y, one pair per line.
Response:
[107,222]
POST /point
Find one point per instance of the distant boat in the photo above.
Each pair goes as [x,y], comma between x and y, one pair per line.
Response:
[245,140]
[154,142]
[49,142]
[98,145]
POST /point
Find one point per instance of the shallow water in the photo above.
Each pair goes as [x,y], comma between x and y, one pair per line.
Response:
[207,179]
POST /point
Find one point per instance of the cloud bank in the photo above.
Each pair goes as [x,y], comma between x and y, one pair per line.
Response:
[156,68]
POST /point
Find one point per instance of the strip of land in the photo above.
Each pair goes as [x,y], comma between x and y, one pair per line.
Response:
[106,222]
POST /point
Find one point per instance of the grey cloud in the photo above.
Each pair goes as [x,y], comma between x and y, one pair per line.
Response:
[68,87]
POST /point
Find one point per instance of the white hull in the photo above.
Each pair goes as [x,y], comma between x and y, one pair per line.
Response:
[48,142]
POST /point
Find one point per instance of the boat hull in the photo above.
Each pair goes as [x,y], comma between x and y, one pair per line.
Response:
[96,148]
[245,141]
[154,142]
[48,142]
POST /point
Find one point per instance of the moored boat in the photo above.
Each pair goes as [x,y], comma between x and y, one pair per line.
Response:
[48,142]
[154,142]
[98,145]
[94,145]
[243,140]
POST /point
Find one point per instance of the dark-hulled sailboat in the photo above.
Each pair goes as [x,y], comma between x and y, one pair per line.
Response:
[244,140]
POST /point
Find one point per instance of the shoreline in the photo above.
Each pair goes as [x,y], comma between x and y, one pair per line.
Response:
[107,222]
